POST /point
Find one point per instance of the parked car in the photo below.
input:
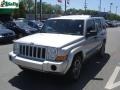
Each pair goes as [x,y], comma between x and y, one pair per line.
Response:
[35,24]
[111,23]
[20,28]
[6,35]
[118,23]
[43,21]
[63,46]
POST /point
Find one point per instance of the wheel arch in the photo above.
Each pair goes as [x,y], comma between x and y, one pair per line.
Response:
[81,55]
[71,56]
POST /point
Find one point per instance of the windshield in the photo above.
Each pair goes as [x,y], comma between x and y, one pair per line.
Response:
[73,27]
[37,22]
[22,24]
[2,27]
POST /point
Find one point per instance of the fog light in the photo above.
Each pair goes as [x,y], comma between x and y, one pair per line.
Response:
[53,67]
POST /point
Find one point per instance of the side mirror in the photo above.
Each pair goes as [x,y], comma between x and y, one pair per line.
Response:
[91,33]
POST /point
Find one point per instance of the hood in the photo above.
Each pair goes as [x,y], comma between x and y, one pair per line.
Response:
[26,27]
[3,31]
[51,40]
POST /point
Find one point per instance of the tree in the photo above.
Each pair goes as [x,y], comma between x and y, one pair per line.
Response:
[57,9]
[25,6]
[72,11]
[49,9]
[19,12]
[28,4]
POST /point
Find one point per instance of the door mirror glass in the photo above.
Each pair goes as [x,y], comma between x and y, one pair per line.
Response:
[90,30]
[91,33]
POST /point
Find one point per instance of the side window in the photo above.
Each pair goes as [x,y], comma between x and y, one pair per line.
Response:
[99,25]
[103,24]
[90,28]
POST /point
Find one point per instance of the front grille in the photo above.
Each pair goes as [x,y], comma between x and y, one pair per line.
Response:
[31,51]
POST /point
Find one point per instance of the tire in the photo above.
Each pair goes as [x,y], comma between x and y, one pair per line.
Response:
[75,69]
[101,52]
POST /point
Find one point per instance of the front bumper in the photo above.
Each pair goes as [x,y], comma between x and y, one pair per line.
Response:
[44,66]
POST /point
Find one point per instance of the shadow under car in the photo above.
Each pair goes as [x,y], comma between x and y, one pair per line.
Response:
[39,81]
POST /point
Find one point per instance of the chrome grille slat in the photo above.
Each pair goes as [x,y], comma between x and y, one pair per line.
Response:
[28,50]
[32,51]
[25,50]
[41,53]
[22,50]
[36,51]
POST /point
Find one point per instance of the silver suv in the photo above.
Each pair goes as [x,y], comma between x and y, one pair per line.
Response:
[62,47]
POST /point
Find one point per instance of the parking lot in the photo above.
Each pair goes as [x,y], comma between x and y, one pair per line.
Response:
[97,73]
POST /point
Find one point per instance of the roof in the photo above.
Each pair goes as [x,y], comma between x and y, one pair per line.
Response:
[73,17]
[98,17]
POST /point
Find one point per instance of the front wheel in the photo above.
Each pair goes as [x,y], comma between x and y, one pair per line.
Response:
[74,72]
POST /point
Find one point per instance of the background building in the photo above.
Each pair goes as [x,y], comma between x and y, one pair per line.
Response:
[6,8]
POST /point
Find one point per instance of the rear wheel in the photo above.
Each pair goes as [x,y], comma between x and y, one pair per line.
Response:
[74,72]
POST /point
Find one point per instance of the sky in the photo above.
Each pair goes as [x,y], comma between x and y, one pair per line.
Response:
[91,4]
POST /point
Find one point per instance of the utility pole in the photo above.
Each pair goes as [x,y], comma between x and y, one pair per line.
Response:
[111,6]
[116,10]
[104,9]
[40,10]
[35,9]
[85,6]
[65,7]
[100,6]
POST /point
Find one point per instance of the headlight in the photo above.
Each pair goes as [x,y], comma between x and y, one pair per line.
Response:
[57,54]
[52,53]
[62,55]
[15,48]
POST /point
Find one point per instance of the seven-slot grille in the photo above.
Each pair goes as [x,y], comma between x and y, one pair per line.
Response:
[32,51]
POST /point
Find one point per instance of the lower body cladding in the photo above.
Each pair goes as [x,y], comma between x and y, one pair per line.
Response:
[44,66]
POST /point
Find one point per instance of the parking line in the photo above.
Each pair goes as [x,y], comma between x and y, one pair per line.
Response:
[111,84]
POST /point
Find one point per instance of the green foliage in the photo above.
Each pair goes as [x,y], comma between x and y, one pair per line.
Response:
[24,7]
[49,9]
[27,6]
[113,17]
[57,9]
[106,15]
[19,12]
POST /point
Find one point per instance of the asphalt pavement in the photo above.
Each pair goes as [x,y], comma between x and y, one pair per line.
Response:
[97,73]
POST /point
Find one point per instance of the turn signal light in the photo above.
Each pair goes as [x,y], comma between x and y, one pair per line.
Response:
[61,58]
